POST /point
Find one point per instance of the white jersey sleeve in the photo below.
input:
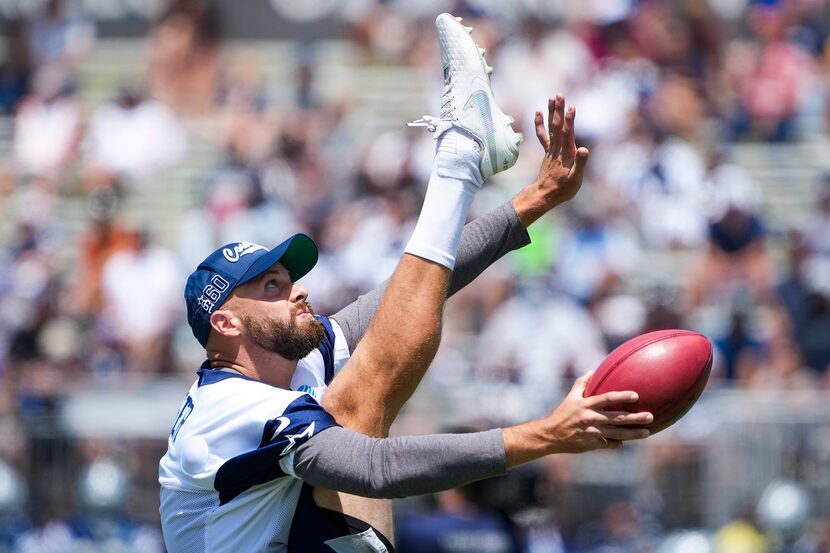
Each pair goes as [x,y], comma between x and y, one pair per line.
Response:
[224,479]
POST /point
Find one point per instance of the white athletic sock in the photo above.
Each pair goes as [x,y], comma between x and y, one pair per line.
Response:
[456,176]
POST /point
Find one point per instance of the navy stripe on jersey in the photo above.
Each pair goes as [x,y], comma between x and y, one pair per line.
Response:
[212,376]
[313,525]
[327,348]
[303,418]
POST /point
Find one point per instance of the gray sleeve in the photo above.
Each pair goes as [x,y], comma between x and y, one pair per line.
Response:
[346,461]
[483,242]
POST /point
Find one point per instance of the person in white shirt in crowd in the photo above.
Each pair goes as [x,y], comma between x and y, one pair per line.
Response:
[141,326]
[47,127]
[132,139]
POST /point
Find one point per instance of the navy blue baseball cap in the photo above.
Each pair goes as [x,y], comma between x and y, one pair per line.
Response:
[233,265]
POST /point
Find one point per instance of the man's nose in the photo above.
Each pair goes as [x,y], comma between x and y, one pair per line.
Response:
[298,294]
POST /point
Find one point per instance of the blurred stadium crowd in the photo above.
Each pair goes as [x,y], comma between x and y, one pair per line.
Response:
[670,230]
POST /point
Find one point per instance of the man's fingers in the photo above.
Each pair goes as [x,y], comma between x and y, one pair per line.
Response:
[604,442]
[556,119]
[612,398]
[623,434]
[578,389]
[578,170]
[541,132]
[626,418]
[568,138]
[551,113]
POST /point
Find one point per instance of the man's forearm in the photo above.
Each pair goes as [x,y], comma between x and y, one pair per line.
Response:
[483,242]
[531,203]
[350,462]
[526,442]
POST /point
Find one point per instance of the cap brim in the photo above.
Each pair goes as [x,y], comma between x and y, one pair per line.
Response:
[298,255]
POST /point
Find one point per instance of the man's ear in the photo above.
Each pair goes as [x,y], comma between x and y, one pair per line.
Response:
[225,323]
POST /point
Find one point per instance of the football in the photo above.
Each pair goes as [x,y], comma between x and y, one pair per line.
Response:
[668,369]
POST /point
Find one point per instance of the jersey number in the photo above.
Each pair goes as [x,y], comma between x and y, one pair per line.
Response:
[186,409]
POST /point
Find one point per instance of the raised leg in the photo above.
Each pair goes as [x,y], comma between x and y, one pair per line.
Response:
[389,363]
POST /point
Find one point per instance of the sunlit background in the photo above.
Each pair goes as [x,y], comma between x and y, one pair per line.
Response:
[136,137]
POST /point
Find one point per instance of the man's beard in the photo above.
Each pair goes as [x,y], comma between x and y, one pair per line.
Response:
[293,340]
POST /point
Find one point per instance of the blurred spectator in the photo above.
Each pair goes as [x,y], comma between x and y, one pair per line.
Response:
[622,528]
[659,33]
[241,86]
[57,39]
[47,127]
[459,523]
[141,289]
[183,63]
[771,78]
[816,539]
[104,486]
[540,532]
[662,307]
[620,316]
[119,147]
[30,286]
[597,249]
[562,51]
[656,177]
[740,349]
[93,536]
[349,236]
[728,184]
[813,326]
[13,495]
[676,108]
[756,347]
[233,205]
[818,230]
[105,237]
[249,123]
[707,36]
[238,169]
[609,99]
[16,69]
[735,257]
[669,198]
[741,536]
[512,351]
[808,307]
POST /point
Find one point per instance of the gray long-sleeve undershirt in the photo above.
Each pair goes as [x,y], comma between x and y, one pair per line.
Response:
[483,242]
[350,462]
[401,466]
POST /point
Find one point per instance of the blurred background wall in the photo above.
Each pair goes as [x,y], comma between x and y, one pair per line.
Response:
[135,137]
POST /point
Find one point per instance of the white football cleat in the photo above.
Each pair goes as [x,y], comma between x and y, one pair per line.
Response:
[467,101]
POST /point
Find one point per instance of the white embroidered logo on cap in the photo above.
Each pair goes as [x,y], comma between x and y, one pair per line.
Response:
[242,248]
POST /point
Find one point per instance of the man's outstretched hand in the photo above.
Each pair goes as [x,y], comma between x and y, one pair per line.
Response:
[577,425]
[563,166]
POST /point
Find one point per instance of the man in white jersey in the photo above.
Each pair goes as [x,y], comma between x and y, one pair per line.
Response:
[245,448]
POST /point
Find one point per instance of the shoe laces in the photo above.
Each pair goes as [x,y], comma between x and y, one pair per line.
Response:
[447,111]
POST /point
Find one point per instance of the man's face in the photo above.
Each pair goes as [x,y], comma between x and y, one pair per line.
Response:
[276,316]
